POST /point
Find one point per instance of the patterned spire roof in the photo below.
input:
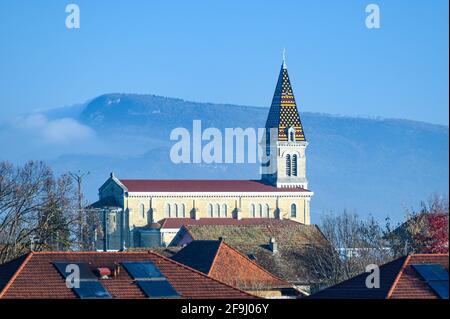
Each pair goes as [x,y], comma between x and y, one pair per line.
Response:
[283,112]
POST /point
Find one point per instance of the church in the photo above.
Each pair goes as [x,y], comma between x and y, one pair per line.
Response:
[133,210]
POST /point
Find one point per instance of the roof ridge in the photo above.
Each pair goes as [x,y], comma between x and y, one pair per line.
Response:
[397,278]
[427,255]
[257,265]
[16,274]
[198,272]
[86,252]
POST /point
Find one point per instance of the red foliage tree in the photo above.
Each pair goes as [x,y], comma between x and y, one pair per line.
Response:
[433,239]
[437,241]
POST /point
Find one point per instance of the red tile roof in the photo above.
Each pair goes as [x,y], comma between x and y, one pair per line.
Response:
[36,277]
[178,222]
[221,261]
[409,284]
[146,185]
[398,280]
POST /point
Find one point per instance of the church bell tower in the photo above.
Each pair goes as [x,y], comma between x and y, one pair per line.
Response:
[285,142]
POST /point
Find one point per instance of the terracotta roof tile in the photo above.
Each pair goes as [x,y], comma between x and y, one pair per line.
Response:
[296,241]
[221,261]
[178,222]
[409,284]
[398,280]
[147,185]
[36,277]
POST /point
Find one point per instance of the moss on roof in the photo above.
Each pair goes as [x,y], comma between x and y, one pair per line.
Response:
[293,260]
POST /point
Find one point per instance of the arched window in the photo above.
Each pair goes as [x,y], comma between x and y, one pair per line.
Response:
[210,210]
[216,211]
[294,165]
[182,212]
[175,210]
[291,133]
[167,210]
[223,212]
[265,212]
[260,210]
[142,211]
[288,165]
[293,210]
[252,211]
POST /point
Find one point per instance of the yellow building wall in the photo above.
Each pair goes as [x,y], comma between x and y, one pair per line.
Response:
[154,206]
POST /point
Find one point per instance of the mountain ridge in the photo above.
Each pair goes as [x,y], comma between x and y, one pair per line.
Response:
[372,166]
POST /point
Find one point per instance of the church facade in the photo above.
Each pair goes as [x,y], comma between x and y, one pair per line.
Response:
[134,208]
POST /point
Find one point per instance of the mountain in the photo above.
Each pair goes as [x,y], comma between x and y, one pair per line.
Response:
[371,166]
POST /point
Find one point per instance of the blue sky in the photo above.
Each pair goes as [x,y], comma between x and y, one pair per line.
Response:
[230,52]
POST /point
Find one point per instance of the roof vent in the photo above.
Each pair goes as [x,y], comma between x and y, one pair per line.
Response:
[103,272]
[273,245]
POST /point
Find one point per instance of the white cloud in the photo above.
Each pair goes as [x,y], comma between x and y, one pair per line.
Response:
[59,131]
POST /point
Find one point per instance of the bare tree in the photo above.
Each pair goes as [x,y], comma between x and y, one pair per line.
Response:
[82,219]
[353,244]
[36,209]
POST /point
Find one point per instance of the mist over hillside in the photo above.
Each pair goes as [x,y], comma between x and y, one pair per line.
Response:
[371,166]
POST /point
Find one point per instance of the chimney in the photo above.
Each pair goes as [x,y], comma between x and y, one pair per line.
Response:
[116,270]
[273,245]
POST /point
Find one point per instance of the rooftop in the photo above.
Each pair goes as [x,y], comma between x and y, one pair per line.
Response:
[35,276]
[399,279]
[146,185]
[178,222]
[292,262]
[221,261]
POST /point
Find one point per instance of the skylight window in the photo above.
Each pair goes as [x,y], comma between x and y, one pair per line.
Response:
[150,279]
[436,277]
[142,270]
[89,286]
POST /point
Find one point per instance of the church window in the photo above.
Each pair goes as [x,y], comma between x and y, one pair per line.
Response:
[182,213]
[265,213]
[291,133]
[293,210]
[216,211]
[210,210]
[260,210]
[288,165]
[224,210]
[294,165]
[252,210]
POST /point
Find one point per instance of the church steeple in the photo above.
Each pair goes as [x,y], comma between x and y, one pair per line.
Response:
[285,139]
[283,113]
